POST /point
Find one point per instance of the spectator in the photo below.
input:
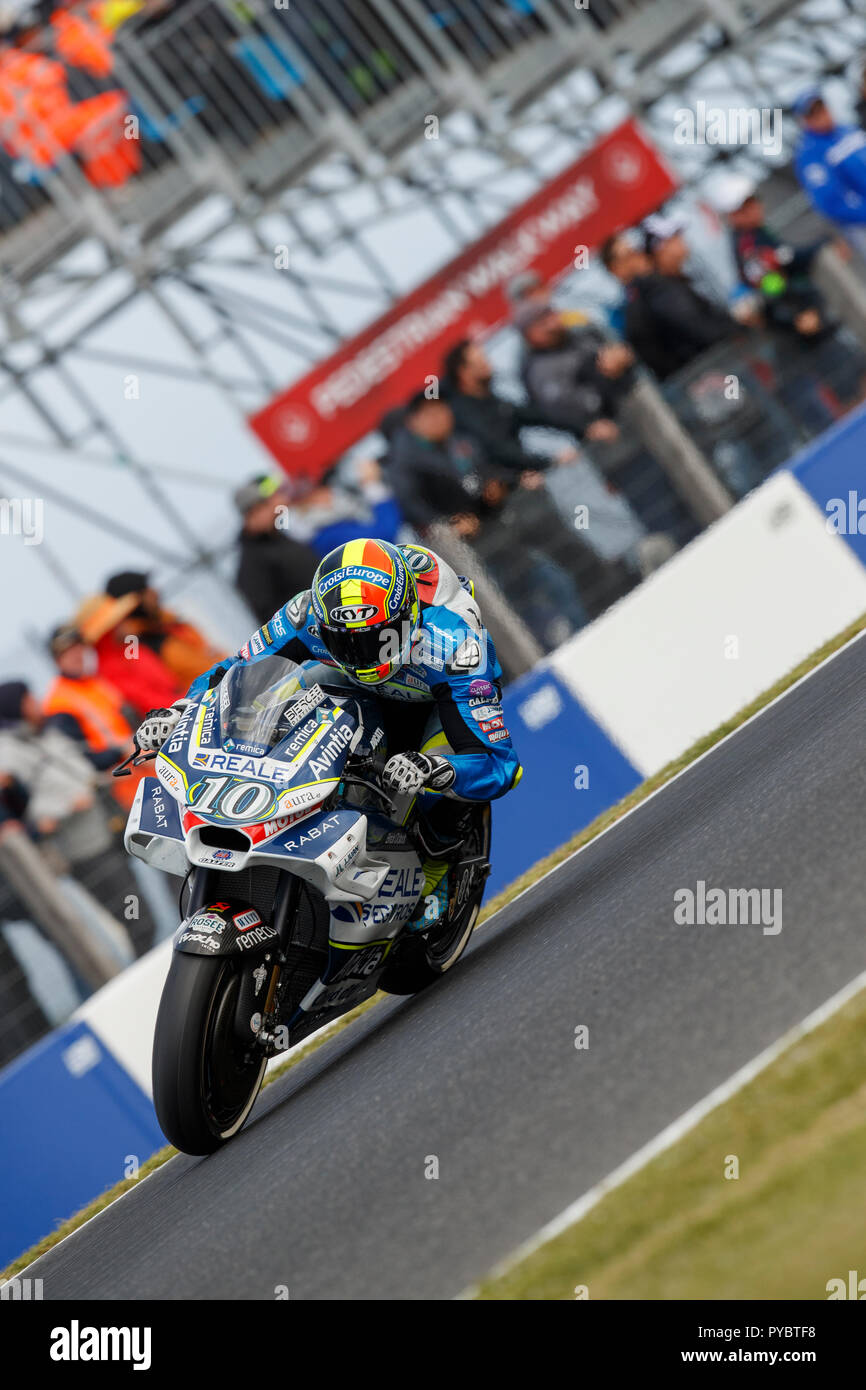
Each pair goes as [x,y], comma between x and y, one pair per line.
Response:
[143,680]
[830,163]
[823,374]
[439,475]
[58,803]
[578,381]
[528,286]
[272,566]
[182,649]
[668,321]
[87,709]
[22,1019]
[493,422]
[436,475]
[625,257]
[574,378]
[779,273]
[331,514]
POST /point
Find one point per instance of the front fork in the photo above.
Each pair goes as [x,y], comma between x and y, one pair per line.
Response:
[259,995]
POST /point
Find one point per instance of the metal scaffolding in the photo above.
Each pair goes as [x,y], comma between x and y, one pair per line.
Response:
[271,151]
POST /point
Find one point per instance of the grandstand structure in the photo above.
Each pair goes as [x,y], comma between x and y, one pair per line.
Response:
[263,130]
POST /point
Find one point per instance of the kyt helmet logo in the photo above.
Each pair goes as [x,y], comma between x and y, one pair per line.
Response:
[354,613]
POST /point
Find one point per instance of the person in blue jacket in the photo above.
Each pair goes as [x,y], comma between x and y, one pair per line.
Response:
[400,623]
[830,164]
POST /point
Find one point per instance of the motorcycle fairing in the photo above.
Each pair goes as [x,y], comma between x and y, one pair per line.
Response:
[153,829]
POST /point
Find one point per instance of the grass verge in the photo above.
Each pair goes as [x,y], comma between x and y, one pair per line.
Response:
[525,881]
[793,1219]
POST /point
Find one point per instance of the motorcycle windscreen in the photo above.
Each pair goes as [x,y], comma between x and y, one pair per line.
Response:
[256,703]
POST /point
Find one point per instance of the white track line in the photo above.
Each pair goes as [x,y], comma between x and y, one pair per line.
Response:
[675,1131]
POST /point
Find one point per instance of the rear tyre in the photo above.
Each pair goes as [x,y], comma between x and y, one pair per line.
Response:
[421,959]
[205,1079]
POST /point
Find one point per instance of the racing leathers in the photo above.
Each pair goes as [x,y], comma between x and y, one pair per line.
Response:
[452,679]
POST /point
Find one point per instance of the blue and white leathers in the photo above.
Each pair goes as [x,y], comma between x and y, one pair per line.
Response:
[453,667]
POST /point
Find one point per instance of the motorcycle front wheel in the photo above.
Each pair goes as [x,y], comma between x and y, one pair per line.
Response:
[205,1079]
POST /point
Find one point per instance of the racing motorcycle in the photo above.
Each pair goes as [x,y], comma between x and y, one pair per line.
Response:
[300,877]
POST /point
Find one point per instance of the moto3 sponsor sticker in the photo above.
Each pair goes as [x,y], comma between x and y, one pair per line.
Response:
[207,922]
[305,704]
[354,612]
[497,736]
[467,656]
[256,936]
[244,921]
[481,692]
[402,884]
[328,752]
[209,942]
[363,572]
[419,561]
[486,712]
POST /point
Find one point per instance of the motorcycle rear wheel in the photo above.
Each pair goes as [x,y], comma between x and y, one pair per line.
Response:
[419,960]
[205,1079]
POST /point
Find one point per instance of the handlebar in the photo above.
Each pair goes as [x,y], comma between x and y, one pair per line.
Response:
[370,768]
[135,759]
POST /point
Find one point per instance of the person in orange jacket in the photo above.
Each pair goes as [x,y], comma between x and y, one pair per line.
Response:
[181,648]
[40,122]
[87,708]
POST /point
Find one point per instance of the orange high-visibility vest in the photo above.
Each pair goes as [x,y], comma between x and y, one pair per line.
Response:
[82,41]
[98,709]
[34,102]
[95,705]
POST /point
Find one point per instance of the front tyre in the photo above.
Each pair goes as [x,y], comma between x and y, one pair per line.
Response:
[205,1079]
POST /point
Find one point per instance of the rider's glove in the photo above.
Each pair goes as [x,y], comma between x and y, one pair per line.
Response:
[409,772]
[160,724]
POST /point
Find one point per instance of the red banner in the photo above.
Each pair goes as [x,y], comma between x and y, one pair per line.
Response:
[310,425]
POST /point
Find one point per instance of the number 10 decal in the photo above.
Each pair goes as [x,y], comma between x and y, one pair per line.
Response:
[233,799]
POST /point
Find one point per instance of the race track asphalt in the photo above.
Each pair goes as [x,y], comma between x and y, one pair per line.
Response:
[325,1190]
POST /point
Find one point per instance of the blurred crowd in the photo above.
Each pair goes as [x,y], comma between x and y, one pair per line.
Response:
[506,461]
[62,814]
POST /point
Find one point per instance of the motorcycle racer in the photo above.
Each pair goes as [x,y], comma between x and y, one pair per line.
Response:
[399,622]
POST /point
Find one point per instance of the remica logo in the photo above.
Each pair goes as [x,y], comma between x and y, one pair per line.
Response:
[76,1343]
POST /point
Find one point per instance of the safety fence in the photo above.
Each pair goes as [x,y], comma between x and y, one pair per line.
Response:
[117,118]
[73,915]
[734,415]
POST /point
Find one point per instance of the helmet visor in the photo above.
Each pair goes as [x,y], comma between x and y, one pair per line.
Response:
[369,648]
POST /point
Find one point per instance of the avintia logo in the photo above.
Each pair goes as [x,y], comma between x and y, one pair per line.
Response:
[846,516]
[77,1343]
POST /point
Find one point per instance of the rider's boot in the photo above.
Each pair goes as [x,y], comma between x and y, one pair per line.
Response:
[433,903]
[440,836]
